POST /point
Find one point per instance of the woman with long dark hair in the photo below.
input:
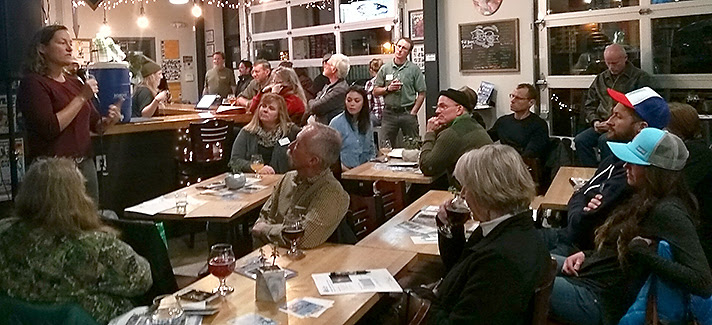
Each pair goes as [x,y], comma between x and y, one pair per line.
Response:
[598,286]
[354,124]
[57,109]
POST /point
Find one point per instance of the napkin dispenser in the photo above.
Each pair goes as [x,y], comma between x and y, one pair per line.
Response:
[235,181]
[270,285]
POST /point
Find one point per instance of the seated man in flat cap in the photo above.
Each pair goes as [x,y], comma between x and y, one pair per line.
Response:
[449,134]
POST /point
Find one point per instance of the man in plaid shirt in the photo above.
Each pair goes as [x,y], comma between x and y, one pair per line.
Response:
[377,103]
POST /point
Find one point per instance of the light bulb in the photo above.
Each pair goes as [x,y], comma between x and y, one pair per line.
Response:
[388,27]
[197,11]
[178,2]
[105,30]
[142,21]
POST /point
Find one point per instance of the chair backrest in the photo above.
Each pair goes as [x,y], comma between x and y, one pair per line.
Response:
[209,139]
[144,238]
[542,293]
[14,311]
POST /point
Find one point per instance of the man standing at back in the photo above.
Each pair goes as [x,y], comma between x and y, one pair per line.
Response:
[621,76]
[219,80]
[260,77]
[402,85]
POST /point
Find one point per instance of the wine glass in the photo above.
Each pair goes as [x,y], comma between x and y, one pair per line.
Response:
[256,163]
[221,264]
[457,214]
[385,148]
[293,230]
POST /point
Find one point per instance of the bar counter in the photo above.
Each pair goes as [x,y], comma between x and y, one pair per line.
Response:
[140,159]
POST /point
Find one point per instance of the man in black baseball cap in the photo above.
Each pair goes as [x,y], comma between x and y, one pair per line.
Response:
[449,134]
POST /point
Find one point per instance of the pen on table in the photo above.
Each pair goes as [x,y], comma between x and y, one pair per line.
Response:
[348,273]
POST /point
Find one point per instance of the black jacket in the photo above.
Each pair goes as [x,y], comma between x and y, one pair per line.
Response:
[495,278]
[609,181]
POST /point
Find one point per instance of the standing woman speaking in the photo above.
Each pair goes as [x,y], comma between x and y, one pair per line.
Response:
[57,108]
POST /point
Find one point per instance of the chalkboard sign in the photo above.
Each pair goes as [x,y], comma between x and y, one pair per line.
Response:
[491,46]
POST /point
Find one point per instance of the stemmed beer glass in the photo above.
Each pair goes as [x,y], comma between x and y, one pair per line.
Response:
[221,264]
[293,230]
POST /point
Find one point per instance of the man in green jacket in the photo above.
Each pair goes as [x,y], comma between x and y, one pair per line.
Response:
[449,134]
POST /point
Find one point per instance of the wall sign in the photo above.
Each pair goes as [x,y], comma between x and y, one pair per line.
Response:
[491,46]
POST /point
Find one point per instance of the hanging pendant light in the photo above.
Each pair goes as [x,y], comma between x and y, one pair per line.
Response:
[105,30]
[178,2]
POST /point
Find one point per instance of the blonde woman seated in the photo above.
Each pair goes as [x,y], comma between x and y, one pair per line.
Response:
[268,134]
[492,276]
[147,99]
[57,249]
[285,82]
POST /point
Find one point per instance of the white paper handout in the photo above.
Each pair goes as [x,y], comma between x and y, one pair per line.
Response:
[154,206]
[339,283]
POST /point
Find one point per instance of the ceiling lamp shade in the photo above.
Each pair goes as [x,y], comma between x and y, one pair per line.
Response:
[178,2]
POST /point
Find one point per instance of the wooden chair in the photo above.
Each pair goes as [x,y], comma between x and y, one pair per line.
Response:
[540,301]
[143,237]
[203,150]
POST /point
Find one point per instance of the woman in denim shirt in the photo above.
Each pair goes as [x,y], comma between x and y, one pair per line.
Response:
[354,124]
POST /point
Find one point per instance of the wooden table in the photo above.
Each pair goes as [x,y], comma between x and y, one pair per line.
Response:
[367,172]
[347,309]
[392,237]
[216,209]
[560,191]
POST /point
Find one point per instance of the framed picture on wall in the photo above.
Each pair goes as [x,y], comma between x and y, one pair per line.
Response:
[417,55]
[417,27]
[209,50]
[209,36]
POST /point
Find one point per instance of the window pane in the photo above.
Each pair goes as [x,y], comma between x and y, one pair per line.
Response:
[700,99]
[579,49]
[682,44]
[272,50]
[314,46]
[269,21]
[559,6]
[565,106]
[360,10]
[306,15]
[364,42]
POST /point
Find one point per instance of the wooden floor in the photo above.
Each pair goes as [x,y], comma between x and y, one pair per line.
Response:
[181,255]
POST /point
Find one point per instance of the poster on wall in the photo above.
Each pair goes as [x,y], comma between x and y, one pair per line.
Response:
[491,46]
[170,49]
[82,50]
[417,55]
[417,25]
[171,69]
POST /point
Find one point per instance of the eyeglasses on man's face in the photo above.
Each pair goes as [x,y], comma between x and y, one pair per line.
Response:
[513,96]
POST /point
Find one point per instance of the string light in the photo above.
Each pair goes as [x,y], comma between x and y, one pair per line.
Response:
[196,11]
[111,4]
[142,20]
[105,30]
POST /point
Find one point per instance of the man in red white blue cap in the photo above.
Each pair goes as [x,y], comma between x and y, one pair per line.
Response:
[591,205]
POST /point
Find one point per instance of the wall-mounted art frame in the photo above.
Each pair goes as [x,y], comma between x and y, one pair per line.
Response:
[209,35]
[417,55]
[209,50]
[416,24]
[491,46]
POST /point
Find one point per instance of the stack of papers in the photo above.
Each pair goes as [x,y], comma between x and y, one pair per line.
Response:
[307,307]
[339,283]
[152,207]
[423,222]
